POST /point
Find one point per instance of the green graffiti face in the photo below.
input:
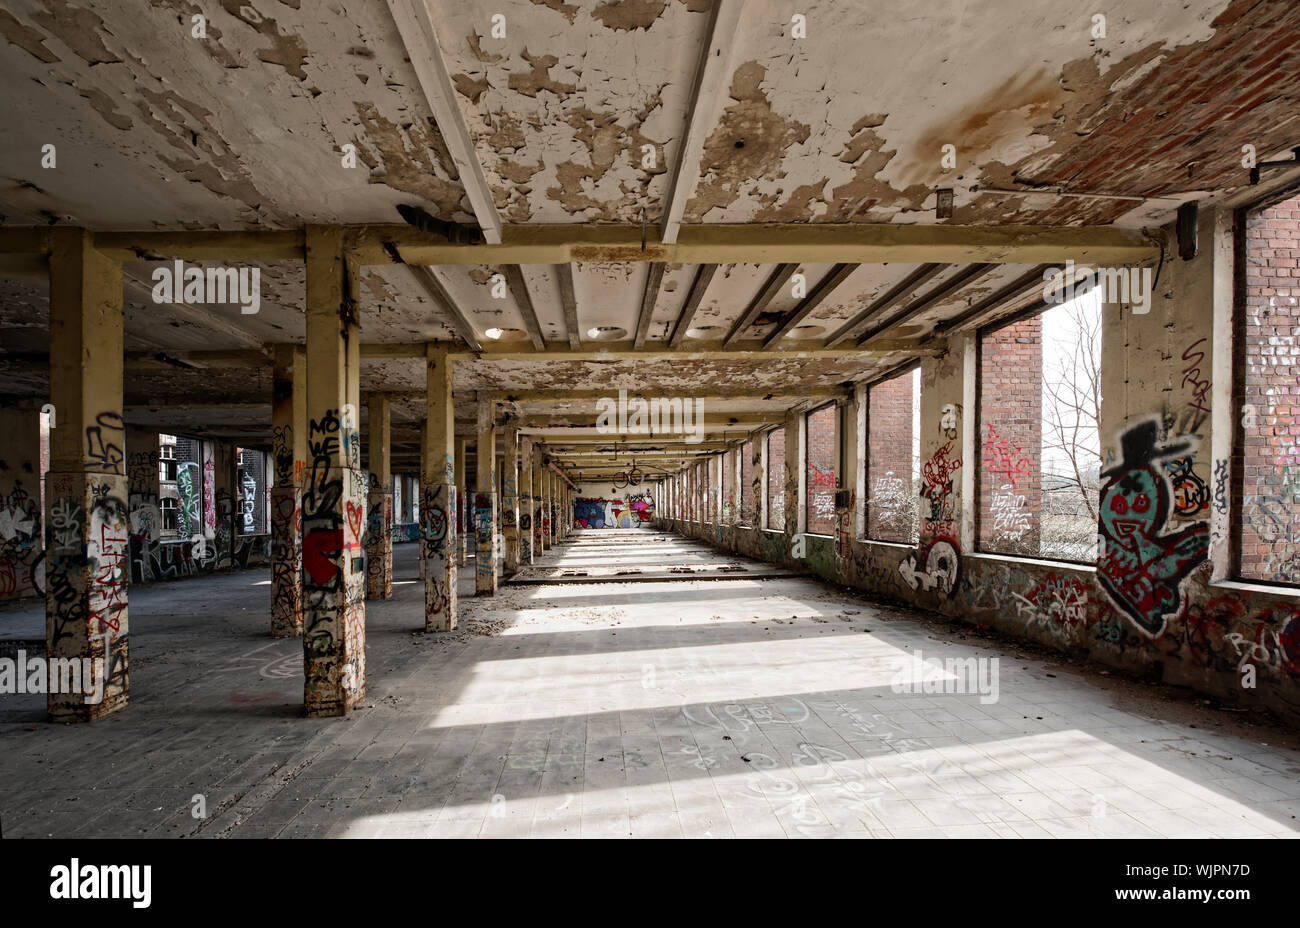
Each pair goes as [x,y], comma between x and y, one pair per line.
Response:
[1134,505]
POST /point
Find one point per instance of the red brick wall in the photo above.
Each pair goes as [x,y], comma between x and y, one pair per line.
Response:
[891,490]
[1267,388]
[776,479]
[1011,437]
[823,465]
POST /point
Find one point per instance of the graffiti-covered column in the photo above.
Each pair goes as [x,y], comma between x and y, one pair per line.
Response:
[333,495]
[289,458]
[86,488]
[544,507]
[510,499]
[553,506]
[225,463]
[463,530]
[1157,462]
[946,442]
[535,504]
[795,482]
[485,500]
[526,503]
[438,502]
[379,517]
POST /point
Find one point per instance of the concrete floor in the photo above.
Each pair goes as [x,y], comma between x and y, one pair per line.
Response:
[738,706]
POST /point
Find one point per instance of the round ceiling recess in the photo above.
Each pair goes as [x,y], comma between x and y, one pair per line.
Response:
[704,331]
[506,335]
[806,331]
[606,333]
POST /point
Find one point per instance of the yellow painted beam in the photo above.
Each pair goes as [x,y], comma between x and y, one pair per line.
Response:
[752,243]
[252,245]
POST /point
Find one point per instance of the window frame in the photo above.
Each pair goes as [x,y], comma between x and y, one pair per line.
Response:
[807,465]
[902,370]
[1236,463]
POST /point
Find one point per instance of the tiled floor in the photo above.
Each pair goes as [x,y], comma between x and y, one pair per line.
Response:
[689,707]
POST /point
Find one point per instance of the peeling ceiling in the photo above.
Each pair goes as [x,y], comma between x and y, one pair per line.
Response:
[285,113]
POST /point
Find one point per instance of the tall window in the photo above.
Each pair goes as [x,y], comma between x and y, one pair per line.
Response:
[1267,392]
[189,486]
[746,489]
[776,480]
[823,463]
[894,506]
[1039,401]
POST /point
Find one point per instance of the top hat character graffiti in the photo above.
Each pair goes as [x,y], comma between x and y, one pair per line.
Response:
[1140,568]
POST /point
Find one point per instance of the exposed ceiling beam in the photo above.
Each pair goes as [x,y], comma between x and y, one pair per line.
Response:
[963,278]
[519,287]
[566,442]
[770,289]
[711,74]
[836,276]
[659,448]
[895,293]
[196,314]
[588,420]
[564,274]
[609,351]
[654,279]
[562,394]
[1018,287]
[858,243]
[701,283]
[415,26]
[428,280]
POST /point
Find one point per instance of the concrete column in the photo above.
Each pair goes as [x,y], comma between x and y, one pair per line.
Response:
[87,564]
[225,464]
[795,480]
[463,529]
[756,480]
[539,483]
[333,496]
[526,504]
[510,500]
[379,506]
[438,495]
[554,511]
[22,547]
[289,458]
[485,500]
[543,493]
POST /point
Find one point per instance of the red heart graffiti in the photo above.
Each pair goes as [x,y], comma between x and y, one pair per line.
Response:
[356,515]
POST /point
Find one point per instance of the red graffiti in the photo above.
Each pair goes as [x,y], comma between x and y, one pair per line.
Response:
[318,550]
[1004,457]
[356,516]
